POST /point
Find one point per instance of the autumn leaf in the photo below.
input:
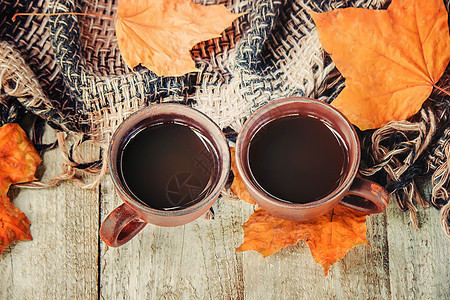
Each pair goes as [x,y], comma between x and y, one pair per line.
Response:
[267,234]
[18,158]
[14,225]
[159,33]
[336,233]
[329,237]
[18,162]
[390,59]
[237,187]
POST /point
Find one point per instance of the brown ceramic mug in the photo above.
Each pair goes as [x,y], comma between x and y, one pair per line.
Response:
[352,191]
[128,219]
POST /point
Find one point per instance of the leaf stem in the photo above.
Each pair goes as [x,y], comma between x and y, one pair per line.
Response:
[61,14]
[441,89]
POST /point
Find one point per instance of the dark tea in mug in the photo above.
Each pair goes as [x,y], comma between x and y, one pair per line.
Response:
[297,159]
[167,166]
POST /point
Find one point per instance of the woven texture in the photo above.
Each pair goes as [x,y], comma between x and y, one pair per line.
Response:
[270,52]
[68,70]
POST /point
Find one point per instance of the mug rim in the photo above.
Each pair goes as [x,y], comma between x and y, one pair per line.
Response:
[219,146]
[339,190]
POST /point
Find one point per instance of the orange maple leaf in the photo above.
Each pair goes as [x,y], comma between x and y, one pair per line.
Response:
[390,59]
[329,237]
[237,187]
[159,33]
[18,162]
[14,225]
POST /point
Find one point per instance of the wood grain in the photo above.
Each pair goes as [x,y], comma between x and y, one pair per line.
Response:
[66,260]
[419,264]
[195,261]
[61,261]
[292,273]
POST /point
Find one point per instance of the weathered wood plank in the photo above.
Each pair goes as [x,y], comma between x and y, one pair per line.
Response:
[61,261]
[419,264]
[198,261]
[195,261]
[292,273]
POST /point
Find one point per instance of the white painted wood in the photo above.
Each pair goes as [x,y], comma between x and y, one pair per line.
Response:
[195,261]
[198,260]
[61,261]
[292,273]
[419,264]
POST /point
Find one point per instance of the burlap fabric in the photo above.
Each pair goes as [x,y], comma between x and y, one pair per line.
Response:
[68,71]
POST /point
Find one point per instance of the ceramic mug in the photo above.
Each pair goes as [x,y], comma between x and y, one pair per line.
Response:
[128,219]
[354,192]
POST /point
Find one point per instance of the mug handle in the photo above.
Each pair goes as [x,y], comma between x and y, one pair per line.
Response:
[366,196]
[121,225]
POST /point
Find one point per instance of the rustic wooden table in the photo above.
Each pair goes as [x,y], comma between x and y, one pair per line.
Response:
[67,259]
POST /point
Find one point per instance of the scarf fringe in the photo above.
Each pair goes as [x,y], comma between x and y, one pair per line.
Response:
[74,166]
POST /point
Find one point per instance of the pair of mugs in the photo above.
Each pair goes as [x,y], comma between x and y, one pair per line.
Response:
[129,218]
